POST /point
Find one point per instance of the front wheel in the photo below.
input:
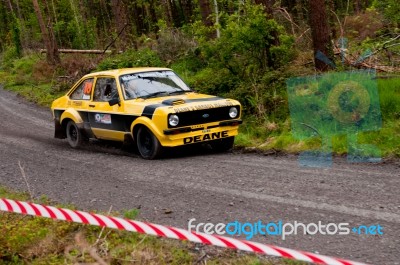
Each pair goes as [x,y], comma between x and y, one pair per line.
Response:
[148,145]
[223,144]
[74,135]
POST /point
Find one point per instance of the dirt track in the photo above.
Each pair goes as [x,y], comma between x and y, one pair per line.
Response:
[209,187]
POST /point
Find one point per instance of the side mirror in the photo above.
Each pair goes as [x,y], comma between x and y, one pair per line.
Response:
[114,101]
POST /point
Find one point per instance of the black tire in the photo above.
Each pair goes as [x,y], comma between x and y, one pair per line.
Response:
[223,144]
[74,135]
[148,145]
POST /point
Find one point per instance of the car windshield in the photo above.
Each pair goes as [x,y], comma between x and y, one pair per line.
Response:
[152,84]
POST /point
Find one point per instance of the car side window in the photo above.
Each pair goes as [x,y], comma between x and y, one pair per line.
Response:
[105,89]
[83,91]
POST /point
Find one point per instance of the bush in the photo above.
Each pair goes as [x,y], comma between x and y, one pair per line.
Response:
[189,65]
[365,25]
[390,9]
[249,44]
[242,63]
[131,58]
[8,56]
[173,44]
[213,81]
[21,69]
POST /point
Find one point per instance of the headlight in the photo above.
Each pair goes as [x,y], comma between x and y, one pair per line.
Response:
[173,120]
[233,112]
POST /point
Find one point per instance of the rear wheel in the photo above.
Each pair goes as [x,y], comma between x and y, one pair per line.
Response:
[223,144]
[74,135]
[148,145]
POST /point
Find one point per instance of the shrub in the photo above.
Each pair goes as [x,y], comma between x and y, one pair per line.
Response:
[213,81]
[250,44]
[242,62]
[365,25]
[172,44]
[390,8]
[8,57]
[131,58]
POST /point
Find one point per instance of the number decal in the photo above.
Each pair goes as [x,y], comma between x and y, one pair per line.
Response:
[88,88]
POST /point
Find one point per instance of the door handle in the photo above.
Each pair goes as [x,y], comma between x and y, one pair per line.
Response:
[92,106]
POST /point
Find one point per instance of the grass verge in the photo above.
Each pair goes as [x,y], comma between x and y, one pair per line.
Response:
[35,240]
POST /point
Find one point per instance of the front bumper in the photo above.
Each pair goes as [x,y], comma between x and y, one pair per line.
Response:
[201,128]
[199,133]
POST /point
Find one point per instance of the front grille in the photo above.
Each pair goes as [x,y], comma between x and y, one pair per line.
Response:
[204,116]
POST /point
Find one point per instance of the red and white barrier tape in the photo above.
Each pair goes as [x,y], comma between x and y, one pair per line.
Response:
[164,231]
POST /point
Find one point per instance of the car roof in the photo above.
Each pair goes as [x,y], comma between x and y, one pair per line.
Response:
[123,71]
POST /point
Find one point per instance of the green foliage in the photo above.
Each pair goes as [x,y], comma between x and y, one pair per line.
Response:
[188,65]
[390,8]
[267,135]
[249,44]
[4,27]
[71,28]
[181,257]
[264,96]
[131,58]
[16,35]
[131,214]
[213,81]
[173,44]
[8,56]
[24,66]
[30,77]
[22,69]
[389,96]
[364,26]
[6,193]
[242,62]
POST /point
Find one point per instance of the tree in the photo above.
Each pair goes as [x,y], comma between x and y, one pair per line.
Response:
[357,6]
[4,28]
[391,10]
[120,22]
[153,15]
[187,10]
[205,11]
[48,37]
[15,30]
[268,6]
[320,34]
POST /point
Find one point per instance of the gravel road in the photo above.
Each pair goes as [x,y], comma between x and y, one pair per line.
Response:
[205,186]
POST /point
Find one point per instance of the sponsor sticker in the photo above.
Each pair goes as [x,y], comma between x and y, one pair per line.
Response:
[102,118]
[203,106]
[205,137]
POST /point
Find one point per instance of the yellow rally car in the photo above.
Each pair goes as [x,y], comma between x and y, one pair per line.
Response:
[151,106]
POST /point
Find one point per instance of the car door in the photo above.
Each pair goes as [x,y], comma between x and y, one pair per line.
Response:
[105,120]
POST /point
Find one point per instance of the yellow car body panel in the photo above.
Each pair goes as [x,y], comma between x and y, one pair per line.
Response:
[71,114]
[201,117]
[109,134]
